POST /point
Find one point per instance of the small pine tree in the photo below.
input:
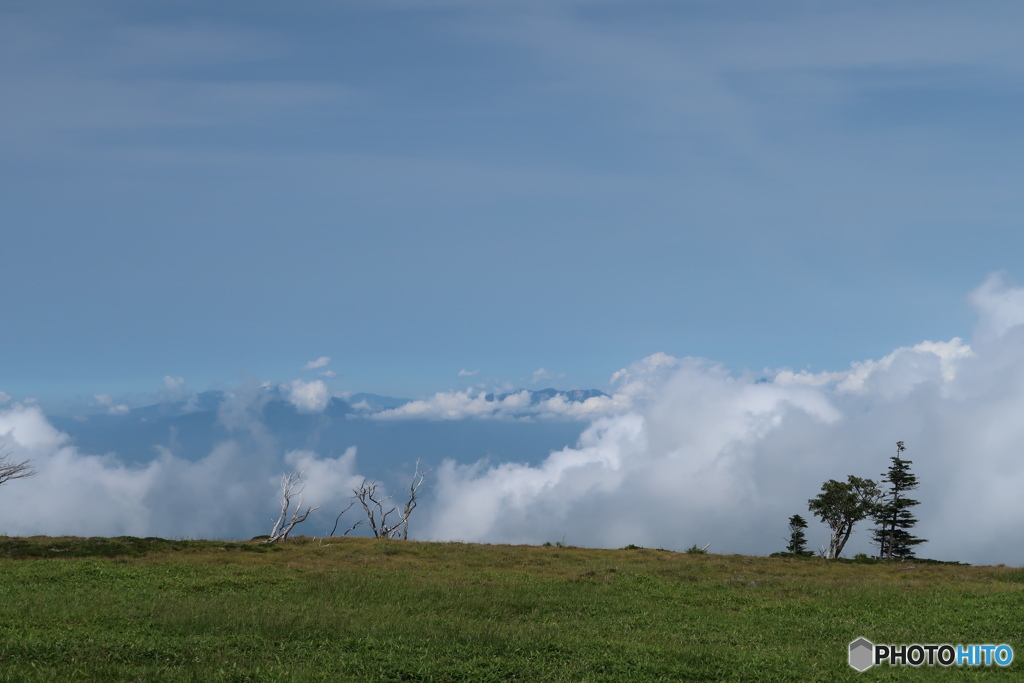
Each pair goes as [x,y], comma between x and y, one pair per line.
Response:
[893,514]
[797,540]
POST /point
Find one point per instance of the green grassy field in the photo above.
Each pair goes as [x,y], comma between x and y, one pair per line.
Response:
[368,610]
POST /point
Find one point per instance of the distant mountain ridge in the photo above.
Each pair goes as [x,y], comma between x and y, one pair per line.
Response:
[377,402]
[192,426]
[572,395]
[276,401]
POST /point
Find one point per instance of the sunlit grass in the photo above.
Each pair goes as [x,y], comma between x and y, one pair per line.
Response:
[363,609]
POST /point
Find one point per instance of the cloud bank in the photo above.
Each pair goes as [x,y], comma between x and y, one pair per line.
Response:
[684,451]
[233,492]
[473,404]
[705,456]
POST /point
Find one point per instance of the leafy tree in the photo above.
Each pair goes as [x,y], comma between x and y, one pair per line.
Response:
[893,514]
[797,539]
[841,505]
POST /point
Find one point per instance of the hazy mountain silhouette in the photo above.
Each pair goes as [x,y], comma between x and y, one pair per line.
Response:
[573,395]
[192,427]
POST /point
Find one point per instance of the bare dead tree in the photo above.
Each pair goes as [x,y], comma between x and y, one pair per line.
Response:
[373,505]
[338,518]
[13,470]
[414,489]
[283,526]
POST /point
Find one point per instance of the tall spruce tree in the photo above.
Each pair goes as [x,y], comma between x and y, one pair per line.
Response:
[797,539]
[893,514]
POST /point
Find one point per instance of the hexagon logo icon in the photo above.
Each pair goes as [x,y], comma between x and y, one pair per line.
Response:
[862,654]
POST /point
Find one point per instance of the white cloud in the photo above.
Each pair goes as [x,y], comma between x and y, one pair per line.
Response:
[4,398]
[539,375]
[174,390]
[230,493]
[309,397]
[683,452]
[328,373]
[544,375]
[703,455]
[27,427]
[637,379]
[173,383]
[591,408]
[318,363]
[362,407]
[468,373]
[327,480]
[1003,307]
[908,365]
[470,403]
[633,384]
[105,401]
[452,405]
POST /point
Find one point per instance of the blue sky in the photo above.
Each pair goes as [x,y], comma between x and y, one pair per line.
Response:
[437,199]
[413,189]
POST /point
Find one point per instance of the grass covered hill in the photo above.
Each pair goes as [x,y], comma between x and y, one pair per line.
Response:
[359,609]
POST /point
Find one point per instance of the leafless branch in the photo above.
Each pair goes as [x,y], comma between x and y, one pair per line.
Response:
[283,526]
[414,488]
[338,518]
[14,470]
[373,506]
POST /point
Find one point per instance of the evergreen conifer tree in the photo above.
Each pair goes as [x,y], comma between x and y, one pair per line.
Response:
[893,514]
[797,540]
